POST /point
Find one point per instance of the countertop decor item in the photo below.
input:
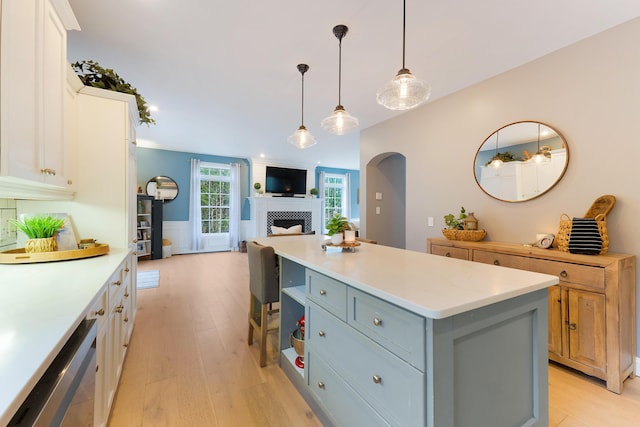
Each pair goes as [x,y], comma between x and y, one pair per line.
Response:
[40,231]
[19,256]
[335,227]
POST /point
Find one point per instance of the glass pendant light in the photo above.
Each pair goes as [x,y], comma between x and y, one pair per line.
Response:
[302,138]
[404,91]
[340,122]
[496,162]
[540,157]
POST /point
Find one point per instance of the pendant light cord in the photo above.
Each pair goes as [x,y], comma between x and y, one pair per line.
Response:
[302,106]
[404,25]
[339,70]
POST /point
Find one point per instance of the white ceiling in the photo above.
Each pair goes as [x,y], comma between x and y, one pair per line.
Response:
[223,73]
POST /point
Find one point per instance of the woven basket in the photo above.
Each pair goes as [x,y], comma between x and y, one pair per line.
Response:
[467,235]
[48,244]
[562,238]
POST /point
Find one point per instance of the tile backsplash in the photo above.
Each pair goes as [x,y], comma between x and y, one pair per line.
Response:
[8,236]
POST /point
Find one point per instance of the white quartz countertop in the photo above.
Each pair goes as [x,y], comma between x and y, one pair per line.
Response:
[430,285]
[42,304]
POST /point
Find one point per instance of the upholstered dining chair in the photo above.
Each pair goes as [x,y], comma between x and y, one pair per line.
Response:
[264,291]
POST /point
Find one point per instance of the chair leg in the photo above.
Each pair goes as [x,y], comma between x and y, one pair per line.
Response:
[252,303]
[263,334]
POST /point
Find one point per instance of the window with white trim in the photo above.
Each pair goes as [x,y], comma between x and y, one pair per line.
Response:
[335,195]
[215,191]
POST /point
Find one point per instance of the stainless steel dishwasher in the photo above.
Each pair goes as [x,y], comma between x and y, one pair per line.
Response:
[65,394]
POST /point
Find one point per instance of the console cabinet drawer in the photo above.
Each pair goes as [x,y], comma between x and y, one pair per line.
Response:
[448,251]
[399,331]
[513,261]
[327,293]
[340,402]
[585,275]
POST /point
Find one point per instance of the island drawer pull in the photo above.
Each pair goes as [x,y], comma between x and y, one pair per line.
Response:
[448,254]
[564,274]
[496,262]
[323,292]
[320,384]
[377,321]
[377,379]
[321,333]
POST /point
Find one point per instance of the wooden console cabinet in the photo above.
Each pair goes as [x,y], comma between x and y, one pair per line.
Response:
[592,320]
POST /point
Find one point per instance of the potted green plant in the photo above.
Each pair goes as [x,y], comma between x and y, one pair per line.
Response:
[314,192]
[92,74]
[336,225]
[454,223]
[41,232]
[258,187]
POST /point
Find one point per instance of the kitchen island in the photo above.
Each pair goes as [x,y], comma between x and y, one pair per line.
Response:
[43,303]
[396,337]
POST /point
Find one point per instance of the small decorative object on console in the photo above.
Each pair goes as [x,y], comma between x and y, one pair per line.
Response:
[464,227]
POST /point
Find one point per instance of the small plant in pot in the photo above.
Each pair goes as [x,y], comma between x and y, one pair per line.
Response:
[314,192]
[40,231]
[336,226]
[258,187]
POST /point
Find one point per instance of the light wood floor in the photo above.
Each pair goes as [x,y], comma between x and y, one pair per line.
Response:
[189,364]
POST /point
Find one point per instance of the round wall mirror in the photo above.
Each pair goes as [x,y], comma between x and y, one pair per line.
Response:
[162,188]
[521,161]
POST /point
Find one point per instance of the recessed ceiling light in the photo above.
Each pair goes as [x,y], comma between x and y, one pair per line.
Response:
[262,155]
[153,108]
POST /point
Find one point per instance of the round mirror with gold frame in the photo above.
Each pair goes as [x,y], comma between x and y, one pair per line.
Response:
[521,161]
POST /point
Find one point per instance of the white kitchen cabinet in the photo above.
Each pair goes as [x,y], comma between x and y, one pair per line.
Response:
[35,159]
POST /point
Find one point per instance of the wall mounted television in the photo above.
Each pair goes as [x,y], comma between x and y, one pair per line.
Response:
[286,181]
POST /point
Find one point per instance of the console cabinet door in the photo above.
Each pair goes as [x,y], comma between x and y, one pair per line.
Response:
[586,322]
[555,320]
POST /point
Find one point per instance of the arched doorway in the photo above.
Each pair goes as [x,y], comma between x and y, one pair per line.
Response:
[386,199]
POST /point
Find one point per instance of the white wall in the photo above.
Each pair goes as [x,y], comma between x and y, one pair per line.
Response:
[589,91]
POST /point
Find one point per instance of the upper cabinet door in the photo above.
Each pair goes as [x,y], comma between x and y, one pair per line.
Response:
[20,85]
[33,82]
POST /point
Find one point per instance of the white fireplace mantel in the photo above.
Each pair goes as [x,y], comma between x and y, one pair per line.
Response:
[261,206]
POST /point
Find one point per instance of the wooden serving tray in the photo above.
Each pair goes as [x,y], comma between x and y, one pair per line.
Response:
[19,256]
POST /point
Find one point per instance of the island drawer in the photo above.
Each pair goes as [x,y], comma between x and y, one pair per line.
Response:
[390,385]
[586,275]
[339,401]
[398,330]
[449,251]
[327,293]
[496,258]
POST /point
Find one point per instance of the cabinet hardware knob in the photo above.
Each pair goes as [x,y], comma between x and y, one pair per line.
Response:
[126,270]
[117,283]
[125,345]
[320,384]
[126,319]
[564,273]
[377,321]
[321,333]
[572,326]
[448,254]
[69,182]
[119,308]
[496,262]
[100,312]
[323,292]
[377,379]
[126,295]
